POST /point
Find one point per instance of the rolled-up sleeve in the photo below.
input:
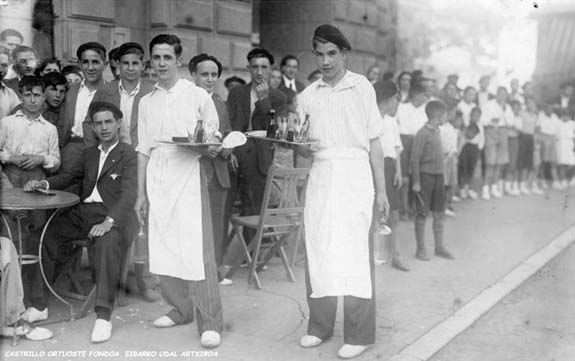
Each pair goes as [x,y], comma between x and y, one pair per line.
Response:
[373,117]
[52,159]
[144,142]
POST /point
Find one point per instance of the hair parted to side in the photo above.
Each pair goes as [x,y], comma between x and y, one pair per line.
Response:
[97,107]
[435,109]
[168,39]
[286,58]
[29,82]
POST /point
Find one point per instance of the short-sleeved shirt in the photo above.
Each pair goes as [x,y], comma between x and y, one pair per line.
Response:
[344,116]
[174,112]
[548,123]
[390,140]
[492,109]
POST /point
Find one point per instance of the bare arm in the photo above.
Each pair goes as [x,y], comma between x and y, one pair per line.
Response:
[141,205]
[377,160]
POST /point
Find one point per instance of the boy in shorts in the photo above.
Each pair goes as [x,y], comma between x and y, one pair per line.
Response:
[428,184]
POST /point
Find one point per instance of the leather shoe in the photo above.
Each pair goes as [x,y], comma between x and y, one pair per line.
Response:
[350,351]
[210,339]
[309,341]
[32,315]
[396,263]
[442,252]
[102,331]
[150,295]
[422,255]
[164,322]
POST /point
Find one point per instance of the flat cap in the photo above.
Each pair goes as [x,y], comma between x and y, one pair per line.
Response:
[93,45]
[127,47]
[331,34]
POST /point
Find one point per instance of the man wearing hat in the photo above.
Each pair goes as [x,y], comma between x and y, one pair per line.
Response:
[126,94]
[343,186]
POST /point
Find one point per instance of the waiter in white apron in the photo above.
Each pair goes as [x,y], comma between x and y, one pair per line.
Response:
[343,185]
[170,178]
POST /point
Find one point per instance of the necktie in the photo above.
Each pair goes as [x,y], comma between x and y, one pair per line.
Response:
[291,86]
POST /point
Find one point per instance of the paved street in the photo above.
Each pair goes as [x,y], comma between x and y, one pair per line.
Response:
[488,239]
[535,322]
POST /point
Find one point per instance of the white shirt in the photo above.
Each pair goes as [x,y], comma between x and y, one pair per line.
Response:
[482,98]
[466,110]
[95,196]
[253,100]
[564,101]
[174,112]
[330,110]
[390,140]
[492,109]
[126,105]
[83,101]
[20,135]
[410,118]
[548,123]
[449,138]
[290,84]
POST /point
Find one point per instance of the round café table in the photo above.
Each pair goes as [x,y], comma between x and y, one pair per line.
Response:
[15,199]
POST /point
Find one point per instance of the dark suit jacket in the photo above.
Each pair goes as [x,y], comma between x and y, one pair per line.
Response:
[239,110]
[298,84]
[66,121]
[13,84]
[219,165]
[117,184]
[111,93]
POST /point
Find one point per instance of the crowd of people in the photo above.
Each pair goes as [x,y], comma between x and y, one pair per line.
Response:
[387,151]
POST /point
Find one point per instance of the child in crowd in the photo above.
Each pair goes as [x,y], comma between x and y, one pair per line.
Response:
[388,97]
[495,117]
[473,140]
[526,162]
[449,142]
[565,153]
[410,117]
[428,184]
[467,103]
[511,177]
[546,133]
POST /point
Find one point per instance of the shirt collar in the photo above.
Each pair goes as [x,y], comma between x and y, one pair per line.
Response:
[39,119]
[179,83]
[429,126]
[83,85]
[287,80]
[133,92]
[110,149]
[348,81]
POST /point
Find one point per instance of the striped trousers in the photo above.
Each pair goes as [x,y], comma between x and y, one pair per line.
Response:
[203,297]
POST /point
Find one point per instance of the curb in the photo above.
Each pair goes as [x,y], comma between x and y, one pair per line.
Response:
[440,335]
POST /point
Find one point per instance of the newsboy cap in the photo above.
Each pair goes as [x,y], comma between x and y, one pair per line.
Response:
[331,34]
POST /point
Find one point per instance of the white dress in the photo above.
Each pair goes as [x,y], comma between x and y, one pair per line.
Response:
[173,177]
[340,191]
[564,144]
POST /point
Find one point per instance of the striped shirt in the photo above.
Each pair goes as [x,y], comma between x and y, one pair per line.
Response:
[20,135]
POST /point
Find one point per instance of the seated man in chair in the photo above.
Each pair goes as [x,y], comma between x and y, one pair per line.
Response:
[106,211]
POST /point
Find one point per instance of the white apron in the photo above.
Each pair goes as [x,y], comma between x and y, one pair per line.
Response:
[338,213]
[175,217]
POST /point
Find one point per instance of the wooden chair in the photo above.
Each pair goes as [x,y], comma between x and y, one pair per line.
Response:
[77,291]
[277,223]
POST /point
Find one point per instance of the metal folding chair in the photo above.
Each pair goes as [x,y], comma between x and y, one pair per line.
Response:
[277,223]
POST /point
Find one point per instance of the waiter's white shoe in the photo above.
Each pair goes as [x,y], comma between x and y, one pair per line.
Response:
[309,341]
[210,339]
[32,314]
[102,331]
[164,322]
[350,351]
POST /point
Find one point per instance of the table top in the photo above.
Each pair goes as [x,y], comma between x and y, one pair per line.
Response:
[17,199]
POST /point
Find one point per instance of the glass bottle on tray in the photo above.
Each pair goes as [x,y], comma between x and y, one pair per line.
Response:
[272,125]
